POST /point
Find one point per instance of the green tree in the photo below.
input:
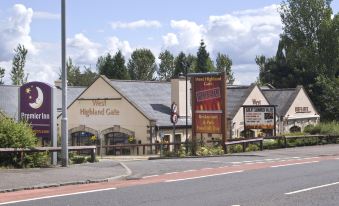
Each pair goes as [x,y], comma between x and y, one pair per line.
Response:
[77,78]
[18,63]
[204,62]
[73,73]
[119,68]
[2,75]
[224,64]
[87,77]
[179,63]
[166,67]
[105,66]
[141,65]
[328,94]
[308,49]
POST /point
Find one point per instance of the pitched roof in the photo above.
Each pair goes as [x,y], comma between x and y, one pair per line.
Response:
[72,93]
[236,96]
[150,97]
[282,98]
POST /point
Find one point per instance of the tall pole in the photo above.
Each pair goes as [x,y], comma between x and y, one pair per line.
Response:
[186,141]
[64,151]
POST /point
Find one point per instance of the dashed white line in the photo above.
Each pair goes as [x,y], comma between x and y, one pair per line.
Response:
[169,173]
[54,196]
[149,176]
[298,163]
[311,188]
[191,178]
[190,170]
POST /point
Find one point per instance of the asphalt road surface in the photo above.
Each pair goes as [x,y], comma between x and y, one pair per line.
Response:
[226,181]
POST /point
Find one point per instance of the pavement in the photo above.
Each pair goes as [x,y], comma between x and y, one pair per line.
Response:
[35,178]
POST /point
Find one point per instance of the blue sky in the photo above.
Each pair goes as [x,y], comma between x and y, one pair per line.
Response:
[242,29]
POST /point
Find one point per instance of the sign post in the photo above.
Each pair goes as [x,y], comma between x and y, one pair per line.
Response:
[209,115]
[174,117]
[36,106]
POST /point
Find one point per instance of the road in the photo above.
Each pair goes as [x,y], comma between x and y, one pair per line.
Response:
[282,179]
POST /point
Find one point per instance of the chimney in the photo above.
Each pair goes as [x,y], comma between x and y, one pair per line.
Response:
[57,83]
[178,95]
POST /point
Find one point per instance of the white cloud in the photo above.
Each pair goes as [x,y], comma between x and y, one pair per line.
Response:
[241,34]
[16,30]
[82,50]
[46,15]
[136,24]
[170,39]
[114,44]
[189,33]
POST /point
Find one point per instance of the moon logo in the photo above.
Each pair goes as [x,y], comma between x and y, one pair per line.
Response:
[38,101]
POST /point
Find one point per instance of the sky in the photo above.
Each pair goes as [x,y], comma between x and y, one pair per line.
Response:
[241,29]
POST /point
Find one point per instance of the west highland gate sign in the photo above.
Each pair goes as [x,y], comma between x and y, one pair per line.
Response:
[36,107]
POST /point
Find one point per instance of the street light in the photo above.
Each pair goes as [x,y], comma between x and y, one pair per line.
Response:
[64,152]
[186,141]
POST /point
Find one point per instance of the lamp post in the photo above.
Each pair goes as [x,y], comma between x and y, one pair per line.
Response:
[64,152]
[186,93]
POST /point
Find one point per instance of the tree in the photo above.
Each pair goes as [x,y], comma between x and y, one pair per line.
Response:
[73,73]
[224,64]
[179,64]
[87,77]
[204,62]
[308,49]
[18,64]
[119,68]
[105,65]
[141,65]
[77,78]
[166,67]
[2,74]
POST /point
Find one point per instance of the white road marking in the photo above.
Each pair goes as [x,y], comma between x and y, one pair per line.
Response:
[207,168]
[191,178]
[149,176]
[190,170]
[54,196]
[299,163]
[311,188]
[169,173]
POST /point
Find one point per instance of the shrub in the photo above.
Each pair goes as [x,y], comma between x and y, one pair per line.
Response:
[235,148]
[78,159]
[252,147]
[271,144]
[19,135]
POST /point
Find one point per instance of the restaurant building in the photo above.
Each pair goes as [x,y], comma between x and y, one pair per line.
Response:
[112,112]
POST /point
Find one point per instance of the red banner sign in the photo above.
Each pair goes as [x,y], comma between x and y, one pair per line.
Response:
[208,103]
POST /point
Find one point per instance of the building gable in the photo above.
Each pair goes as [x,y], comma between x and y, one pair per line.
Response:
[301,106]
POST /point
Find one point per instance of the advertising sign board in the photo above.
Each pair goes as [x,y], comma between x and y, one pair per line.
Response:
[259,117]
[209,110]
[36,107]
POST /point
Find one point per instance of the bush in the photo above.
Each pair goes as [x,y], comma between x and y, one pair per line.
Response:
[210,150]
[271,144]
[235,148]
[77,159]
[252,147]
[19,135]
[331,128]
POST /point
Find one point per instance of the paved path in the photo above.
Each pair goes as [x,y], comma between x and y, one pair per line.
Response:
[18,179]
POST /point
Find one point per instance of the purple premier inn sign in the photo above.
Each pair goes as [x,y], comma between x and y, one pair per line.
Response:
[36,107]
